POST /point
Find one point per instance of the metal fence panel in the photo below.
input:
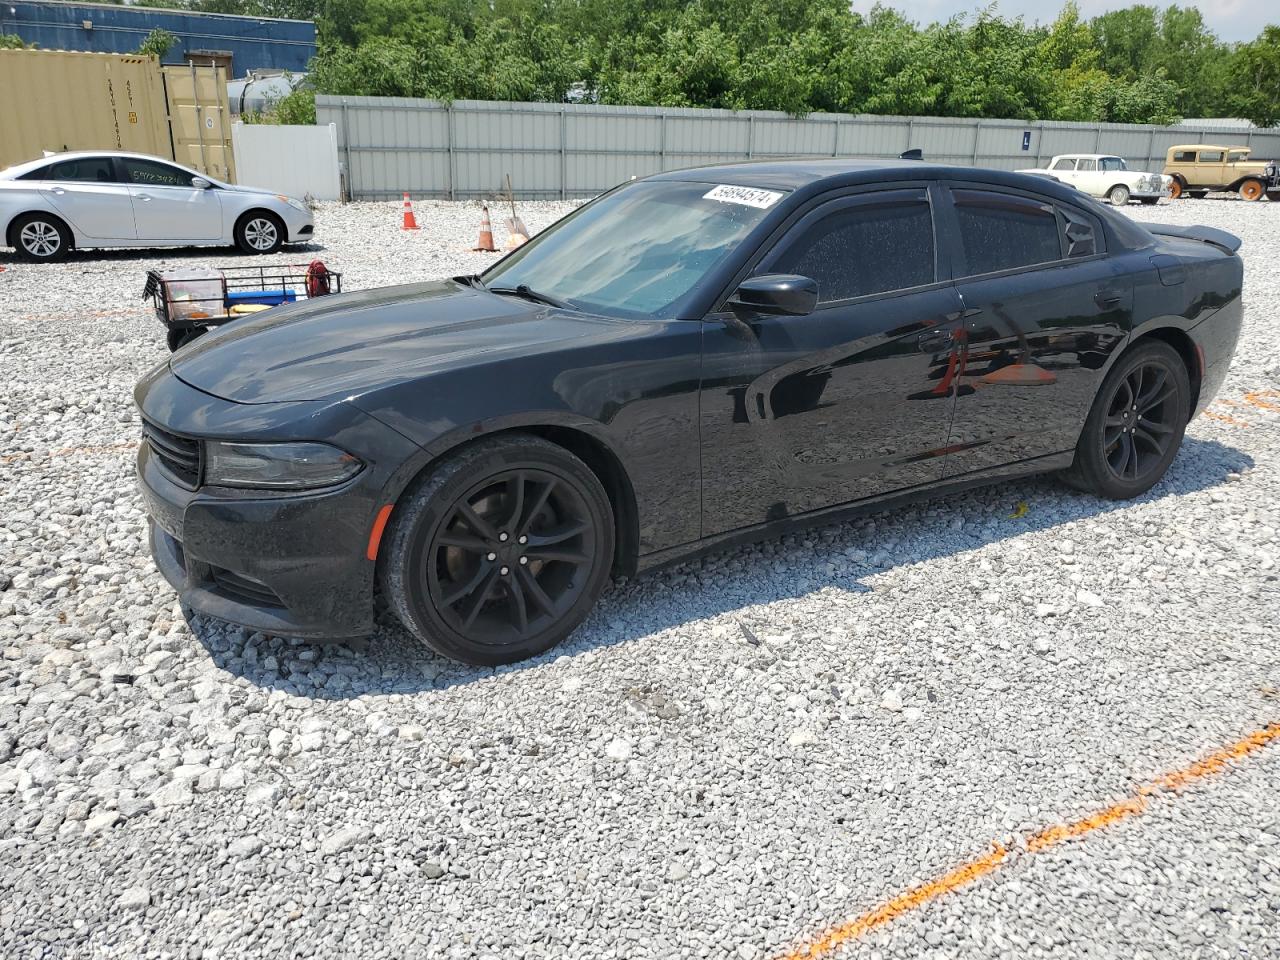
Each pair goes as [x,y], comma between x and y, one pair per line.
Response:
[465,149]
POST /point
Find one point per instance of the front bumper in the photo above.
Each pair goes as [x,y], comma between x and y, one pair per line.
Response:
[290,564]
[293,566]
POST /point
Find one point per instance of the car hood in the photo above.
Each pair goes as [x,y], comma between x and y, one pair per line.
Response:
[347,344]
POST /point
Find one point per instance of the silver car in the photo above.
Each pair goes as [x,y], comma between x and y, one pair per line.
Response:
[112,199]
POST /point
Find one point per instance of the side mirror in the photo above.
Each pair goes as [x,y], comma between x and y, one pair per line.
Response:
[200,183]
[778,294]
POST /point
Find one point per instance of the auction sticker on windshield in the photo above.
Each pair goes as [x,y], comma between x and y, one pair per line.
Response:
[747,196]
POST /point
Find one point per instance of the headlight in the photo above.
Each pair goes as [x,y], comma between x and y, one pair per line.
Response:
[276,465]
[296,204]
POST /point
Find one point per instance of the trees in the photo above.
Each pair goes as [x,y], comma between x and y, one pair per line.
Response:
[1142,64]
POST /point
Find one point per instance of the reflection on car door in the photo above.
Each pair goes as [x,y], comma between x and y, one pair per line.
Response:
[87,194]
[1044,309]
[166,206]
[851,401]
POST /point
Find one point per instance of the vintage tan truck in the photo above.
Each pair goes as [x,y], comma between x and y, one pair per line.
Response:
[1198,168]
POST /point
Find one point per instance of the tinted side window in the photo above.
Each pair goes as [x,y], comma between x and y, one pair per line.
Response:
[1000,232]
[39,173]
[1184,156]
[1210,156]
[869,247]
[151,174]
[81,170]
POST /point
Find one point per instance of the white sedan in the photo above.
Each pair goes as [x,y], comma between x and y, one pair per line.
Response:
[112,199]
[1104,176]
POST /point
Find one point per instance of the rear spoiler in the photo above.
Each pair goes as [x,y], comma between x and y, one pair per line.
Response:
[1227,242]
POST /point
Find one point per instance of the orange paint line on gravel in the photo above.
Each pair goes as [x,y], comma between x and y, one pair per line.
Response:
[1226,419]
[973,870]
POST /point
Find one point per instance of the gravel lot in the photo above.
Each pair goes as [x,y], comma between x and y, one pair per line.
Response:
[909,687]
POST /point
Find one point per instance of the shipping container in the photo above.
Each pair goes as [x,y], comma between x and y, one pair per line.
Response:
[57,100]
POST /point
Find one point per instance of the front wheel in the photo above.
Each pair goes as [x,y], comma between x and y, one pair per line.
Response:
[1118,195]
[1252,190]
[1150,201]
[500,552]
[1135,426]
[259,232]
[1273,196]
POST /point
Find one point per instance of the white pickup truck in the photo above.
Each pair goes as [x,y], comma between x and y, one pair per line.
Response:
[1100,175]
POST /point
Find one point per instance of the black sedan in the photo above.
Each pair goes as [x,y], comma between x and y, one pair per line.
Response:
[697,358]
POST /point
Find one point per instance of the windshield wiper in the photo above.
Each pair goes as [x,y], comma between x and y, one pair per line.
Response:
[525,292]
[471,280]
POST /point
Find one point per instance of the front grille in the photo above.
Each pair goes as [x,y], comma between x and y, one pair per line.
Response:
[245,589]
[180,456]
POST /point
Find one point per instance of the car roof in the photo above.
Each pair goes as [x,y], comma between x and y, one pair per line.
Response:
[1207,146]
[819,174]
[1089,156]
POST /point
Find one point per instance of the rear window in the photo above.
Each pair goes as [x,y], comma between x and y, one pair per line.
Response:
[1002,232]
[80,170]
[1064,164]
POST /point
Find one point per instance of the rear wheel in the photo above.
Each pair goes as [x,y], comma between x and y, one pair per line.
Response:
[1252,190]
[500,552]
[41,238]
[1176,189]
[1135,426]
[259,232]
[1118,195]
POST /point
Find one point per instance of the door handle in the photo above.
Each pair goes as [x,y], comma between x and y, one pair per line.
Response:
[59,190]
[1107,298]
[142,196]
[931,341]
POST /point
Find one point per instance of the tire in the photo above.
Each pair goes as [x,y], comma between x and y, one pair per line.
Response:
[1273,196]
[1118,195]
[1176,189]
[457,573]
[180,338]
[1150,201]
[1252,190]
[40,238]
[1199,194]
[259,232]
[1139,450]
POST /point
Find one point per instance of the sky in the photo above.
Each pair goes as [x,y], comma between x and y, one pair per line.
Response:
[1229,19]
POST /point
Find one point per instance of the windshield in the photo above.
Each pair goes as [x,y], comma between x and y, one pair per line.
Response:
[1237,156]
[639,249]
[1113,163]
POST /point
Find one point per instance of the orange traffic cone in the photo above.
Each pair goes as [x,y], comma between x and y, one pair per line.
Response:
[409,222]
[485,243]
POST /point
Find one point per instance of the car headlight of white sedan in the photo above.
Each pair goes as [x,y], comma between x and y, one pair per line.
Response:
[296,204]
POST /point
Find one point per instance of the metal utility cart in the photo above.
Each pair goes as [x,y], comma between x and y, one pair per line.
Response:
[190,302]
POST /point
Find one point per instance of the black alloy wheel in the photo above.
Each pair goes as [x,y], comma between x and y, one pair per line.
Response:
[501,552]
[1140,424]
[1136,425]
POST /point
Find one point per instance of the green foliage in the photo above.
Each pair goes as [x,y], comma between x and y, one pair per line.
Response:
[156,43]
[1142,64]
[11,41]
[297,107]
[1255,79]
